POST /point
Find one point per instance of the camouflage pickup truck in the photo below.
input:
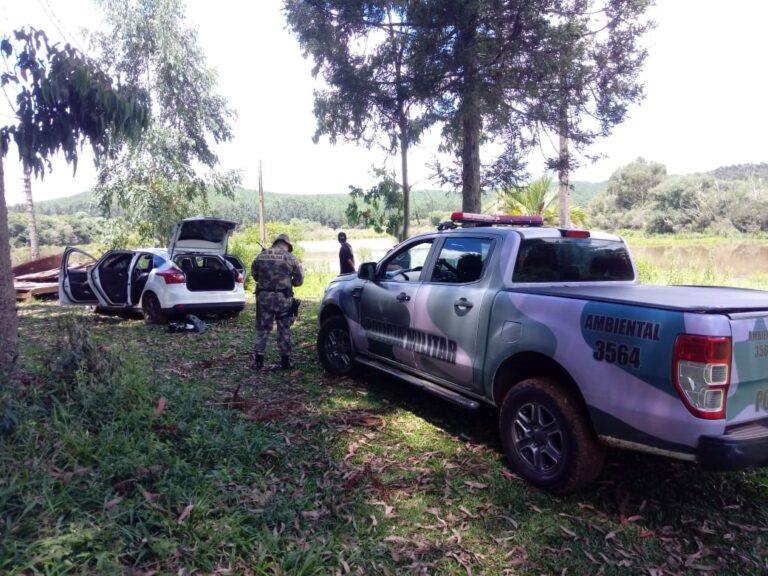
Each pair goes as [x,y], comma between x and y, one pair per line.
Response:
[552,327]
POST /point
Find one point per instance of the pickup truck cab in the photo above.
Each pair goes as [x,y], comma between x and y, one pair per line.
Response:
[552,327]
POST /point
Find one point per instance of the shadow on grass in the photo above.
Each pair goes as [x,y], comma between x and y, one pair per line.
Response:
[295,472]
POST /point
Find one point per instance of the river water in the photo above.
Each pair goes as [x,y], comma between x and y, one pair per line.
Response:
[323,255]
[739,260]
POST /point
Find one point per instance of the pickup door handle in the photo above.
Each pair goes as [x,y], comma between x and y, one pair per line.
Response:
[403,297]
[463,303]
[357,293]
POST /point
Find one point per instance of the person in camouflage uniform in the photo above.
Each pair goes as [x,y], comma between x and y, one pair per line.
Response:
[276,271]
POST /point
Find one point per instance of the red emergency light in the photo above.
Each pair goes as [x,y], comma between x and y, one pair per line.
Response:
[489,219]
[571,233]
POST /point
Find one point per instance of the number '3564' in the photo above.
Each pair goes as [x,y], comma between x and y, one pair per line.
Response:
[614,353]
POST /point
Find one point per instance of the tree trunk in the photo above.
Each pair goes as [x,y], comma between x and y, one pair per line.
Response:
[470,158]
[471,121]
[31,223]
[563,177]
[9,322]
[405,184]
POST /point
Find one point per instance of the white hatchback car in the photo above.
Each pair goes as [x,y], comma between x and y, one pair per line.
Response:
[194,275]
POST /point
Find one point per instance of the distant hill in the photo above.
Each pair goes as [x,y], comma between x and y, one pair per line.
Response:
[583,192]
[327,209]
[748,172]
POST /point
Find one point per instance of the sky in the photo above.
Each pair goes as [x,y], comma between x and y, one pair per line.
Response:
[704,79]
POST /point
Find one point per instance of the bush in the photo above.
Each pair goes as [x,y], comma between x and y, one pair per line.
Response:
[246,243]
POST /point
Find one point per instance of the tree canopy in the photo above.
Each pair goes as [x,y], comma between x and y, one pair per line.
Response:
[363,50]
[167,175]
[497,72]
[63,101]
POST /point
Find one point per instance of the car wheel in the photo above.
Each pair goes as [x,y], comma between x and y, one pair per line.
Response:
[150,308]
[547,437]
[334,347]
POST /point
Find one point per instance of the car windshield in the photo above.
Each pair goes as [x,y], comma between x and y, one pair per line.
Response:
[572,260]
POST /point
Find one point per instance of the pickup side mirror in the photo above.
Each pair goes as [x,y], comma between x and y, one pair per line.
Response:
[367,271]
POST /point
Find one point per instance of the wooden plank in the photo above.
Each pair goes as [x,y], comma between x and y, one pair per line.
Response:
[27,290]
[50,275]
[47,263]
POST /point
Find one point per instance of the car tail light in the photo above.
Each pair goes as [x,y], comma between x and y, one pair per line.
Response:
[173,276]
[701,371]
[239,278]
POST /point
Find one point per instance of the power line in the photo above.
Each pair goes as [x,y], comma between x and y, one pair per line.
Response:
[58,24]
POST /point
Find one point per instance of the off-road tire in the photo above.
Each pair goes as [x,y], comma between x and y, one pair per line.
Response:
[334,347]
[150,308]
[547,437]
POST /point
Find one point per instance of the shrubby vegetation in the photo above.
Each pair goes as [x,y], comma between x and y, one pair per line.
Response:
[642,196]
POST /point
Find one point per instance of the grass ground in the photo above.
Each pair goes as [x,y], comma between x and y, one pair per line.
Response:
[138,451]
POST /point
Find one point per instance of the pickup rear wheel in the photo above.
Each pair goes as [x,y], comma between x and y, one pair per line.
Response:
[334,347]
[547,437]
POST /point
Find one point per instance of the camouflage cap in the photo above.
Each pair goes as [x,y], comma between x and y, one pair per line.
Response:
[283,238]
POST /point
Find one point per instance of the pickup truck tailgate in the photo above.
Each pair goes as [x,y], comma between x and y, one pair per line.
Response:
[748,394]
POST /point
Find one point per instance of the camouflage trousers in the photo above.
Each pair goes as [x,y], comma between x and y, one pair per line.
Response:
[272,308]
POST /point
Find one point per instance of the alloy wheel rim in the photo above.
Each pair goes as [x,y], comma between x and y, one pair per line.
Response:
[337,348]
[538,438]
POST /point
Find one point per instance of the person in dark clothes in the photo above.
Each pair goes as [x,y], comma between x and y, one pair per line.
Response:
[346,257]
[276,271]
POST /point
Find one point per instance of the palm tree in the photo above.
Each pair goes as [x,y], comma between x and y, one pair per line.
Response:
[538,198]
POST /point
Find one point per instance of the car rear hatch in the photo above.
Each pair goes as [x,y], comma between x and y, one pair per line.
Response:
[200,235]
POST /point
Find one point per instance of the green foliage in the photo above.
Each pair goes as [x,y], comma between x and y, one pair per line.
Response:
[630,185]
[381,206]
[641,196]
[754,173]
[246,243]
[363,51]
[68,230]
[169,174]
[65,101]
[539,198]
[750,217]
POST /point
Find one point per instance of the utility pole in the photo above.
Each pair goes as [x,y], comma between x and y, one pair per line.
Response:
[262,226]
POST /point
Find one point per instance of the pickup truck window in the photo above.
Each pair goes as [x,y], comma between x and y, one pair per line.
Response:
[461,260]
[572,260]
[406,265]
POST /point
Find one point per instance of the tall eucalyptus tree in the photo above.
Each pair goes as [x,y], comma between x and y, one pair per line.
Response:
[362,50]
[507,71]
[168,174]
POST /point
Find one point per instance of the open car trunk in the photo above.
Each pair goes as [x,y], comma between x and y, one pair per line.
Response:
[206,273]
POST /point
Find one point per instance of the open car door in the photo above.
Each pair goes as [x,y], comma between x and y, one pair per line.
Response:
[74,286]
[109,277]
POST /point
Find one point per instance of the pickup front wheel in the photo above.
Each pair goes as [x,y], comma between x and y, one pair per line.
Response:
[547,438]
[334,347]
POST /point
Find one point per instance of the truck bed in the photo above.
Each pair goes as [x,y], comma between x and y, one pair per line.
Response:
[698,299]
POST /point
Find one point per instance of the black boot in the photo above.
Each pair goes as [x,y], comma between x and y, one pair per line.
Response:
[285,362]
[258,362]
